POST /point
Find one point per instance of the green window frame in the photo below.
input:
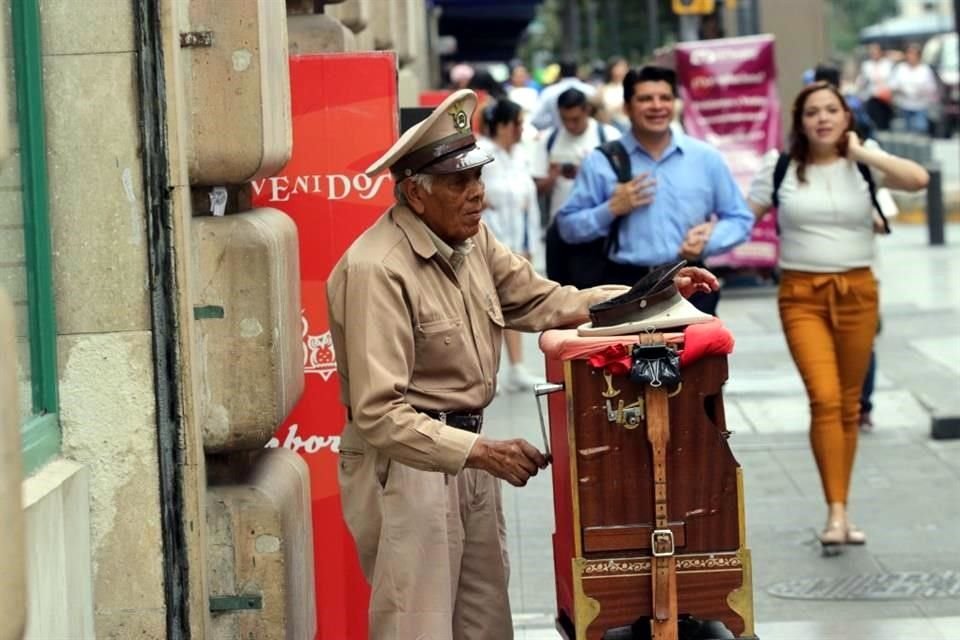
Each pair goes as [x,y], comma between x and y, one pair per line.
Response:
[40,433]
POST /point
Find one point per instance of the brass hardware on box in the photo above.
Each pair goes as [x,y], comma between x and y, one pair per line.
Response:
[610,392]
[628,416]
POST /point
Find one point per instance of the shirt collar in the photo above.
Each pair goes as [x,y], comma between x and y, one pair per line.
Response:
[677,142]
[425,242]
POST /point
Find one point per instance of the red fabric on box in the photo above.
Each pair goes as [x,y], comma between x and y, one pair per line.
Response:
[707,339]
[697,341]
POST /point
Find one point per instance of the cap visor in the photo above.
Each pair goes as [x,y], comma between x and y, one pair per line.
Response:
[679,315]
[460,161]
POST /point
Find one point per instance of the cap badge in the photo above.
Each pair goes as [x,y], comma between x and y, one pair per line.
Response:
[459,116]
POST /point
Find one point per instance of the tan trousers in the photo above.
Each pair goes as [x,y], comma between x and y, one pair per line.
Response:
[432,547]
[830,321]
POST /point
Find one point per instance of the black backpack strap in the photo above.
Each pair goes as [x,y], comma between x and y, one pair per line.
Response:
[779,173]
[872,186]
[617,155]
[601,134]
[619,160]
[552,139]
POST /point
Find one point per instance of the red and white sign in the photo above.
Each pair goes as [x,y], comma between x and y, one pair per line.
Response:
[340,125]
[729,94]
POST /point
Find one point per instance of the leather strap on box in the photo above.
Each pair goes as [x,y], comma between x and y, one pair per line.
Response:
[664,573]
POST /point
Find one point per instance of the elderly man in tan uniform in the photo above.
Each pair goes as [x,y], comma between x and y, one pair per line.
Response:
[417,308]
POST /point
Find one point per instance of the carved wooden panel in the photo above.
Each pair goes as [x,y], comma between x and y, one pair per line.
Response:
[615,481]
[703,583]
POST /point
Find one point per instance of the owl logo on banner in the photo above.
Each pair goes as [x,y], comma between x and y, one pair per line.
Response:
[318,353]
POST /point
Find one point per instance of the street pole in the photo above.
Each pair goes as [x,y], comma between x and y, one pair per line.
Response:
[591,32]
[571,23]
[748,17]
[613,25]
[653,25]
[935,205]
[689,28]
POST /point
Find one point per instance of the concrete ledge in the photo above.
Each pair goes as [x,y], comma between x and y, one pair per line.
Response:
[945,427]
[56,504]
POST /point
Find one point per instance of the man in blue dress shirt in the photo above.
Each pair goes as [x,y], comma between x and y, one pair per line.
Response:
[681,203]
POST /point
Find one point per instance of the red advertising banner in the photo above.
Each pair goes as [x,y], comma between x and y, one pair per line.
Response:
[729,93]
[340,125]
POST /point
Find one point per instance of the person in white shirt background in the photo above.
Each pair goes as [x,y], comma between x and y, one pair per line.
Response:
[560,150]
[828,299]
[611,92]
[511,212]
[520,88]
[873,86]
[546,115]
[915,90]
[557,157]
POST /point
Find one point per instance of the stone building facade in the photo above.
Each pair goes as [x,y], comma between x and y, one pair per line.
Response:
[148,348]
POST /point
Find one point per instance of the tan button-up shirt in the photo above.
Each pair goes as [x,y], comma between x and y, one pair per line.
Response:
[411,331]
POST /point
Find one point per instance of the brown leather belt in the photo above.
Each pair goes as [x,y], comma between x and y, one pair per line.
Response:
[664,573]
[467,420]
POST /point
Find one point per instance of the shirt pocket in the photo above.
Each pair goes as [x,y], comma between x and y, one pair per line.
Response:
[495,312]
[441,349]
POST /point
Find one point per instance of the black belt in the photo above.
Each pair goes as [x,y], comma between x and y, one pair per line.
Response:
[467,420]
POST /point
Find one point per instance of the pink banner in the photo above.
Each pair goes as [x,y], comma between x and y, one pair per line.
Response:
[729,94]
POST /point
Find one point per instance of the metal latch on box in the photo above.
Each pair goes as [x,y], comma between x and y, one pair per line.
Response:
[220,604]
[628,416]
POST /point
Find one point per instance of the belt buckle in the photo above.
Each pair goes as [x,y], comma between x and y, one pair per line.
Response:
[661,543]
[442,416]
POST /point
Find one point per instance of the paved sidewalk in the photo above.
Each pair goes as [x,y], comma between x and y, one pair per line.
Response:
[905,493]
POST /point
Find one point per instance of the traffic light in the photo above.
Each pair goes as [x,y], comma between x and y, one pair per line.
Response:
[693,7]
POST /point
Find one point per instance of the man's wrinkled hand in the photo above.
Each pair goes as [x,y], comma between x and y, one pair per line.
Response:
[511,460]
[628,196]
[691,280]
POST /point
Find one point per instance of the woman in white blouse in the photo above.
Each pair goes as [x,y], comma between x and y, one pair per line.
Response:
[510,211]
[828,295]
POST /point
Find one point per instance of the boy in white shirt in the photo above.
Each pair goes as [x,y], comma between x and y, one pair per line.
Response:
[560,151]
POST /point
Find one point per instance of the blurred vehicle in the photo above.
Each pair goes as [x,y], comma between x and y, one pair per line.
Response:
[940,52]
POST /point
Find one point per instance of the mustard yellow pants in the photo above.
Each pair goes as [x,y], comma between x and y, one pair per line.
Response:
[830,320]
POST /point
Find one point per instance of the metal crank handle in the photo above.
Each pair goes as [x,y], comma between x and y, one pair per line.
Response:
[542,390]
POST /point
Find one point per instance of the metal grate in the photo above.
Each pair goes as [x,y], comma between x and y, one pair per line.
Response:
[908,585]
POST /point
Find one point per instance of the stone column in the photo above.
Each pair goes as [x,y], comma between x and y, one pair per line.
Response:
[313,27]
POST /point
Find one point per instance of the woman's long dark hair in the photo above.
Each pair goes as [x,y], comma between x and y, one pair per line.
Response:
[499,113]
[799,145]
